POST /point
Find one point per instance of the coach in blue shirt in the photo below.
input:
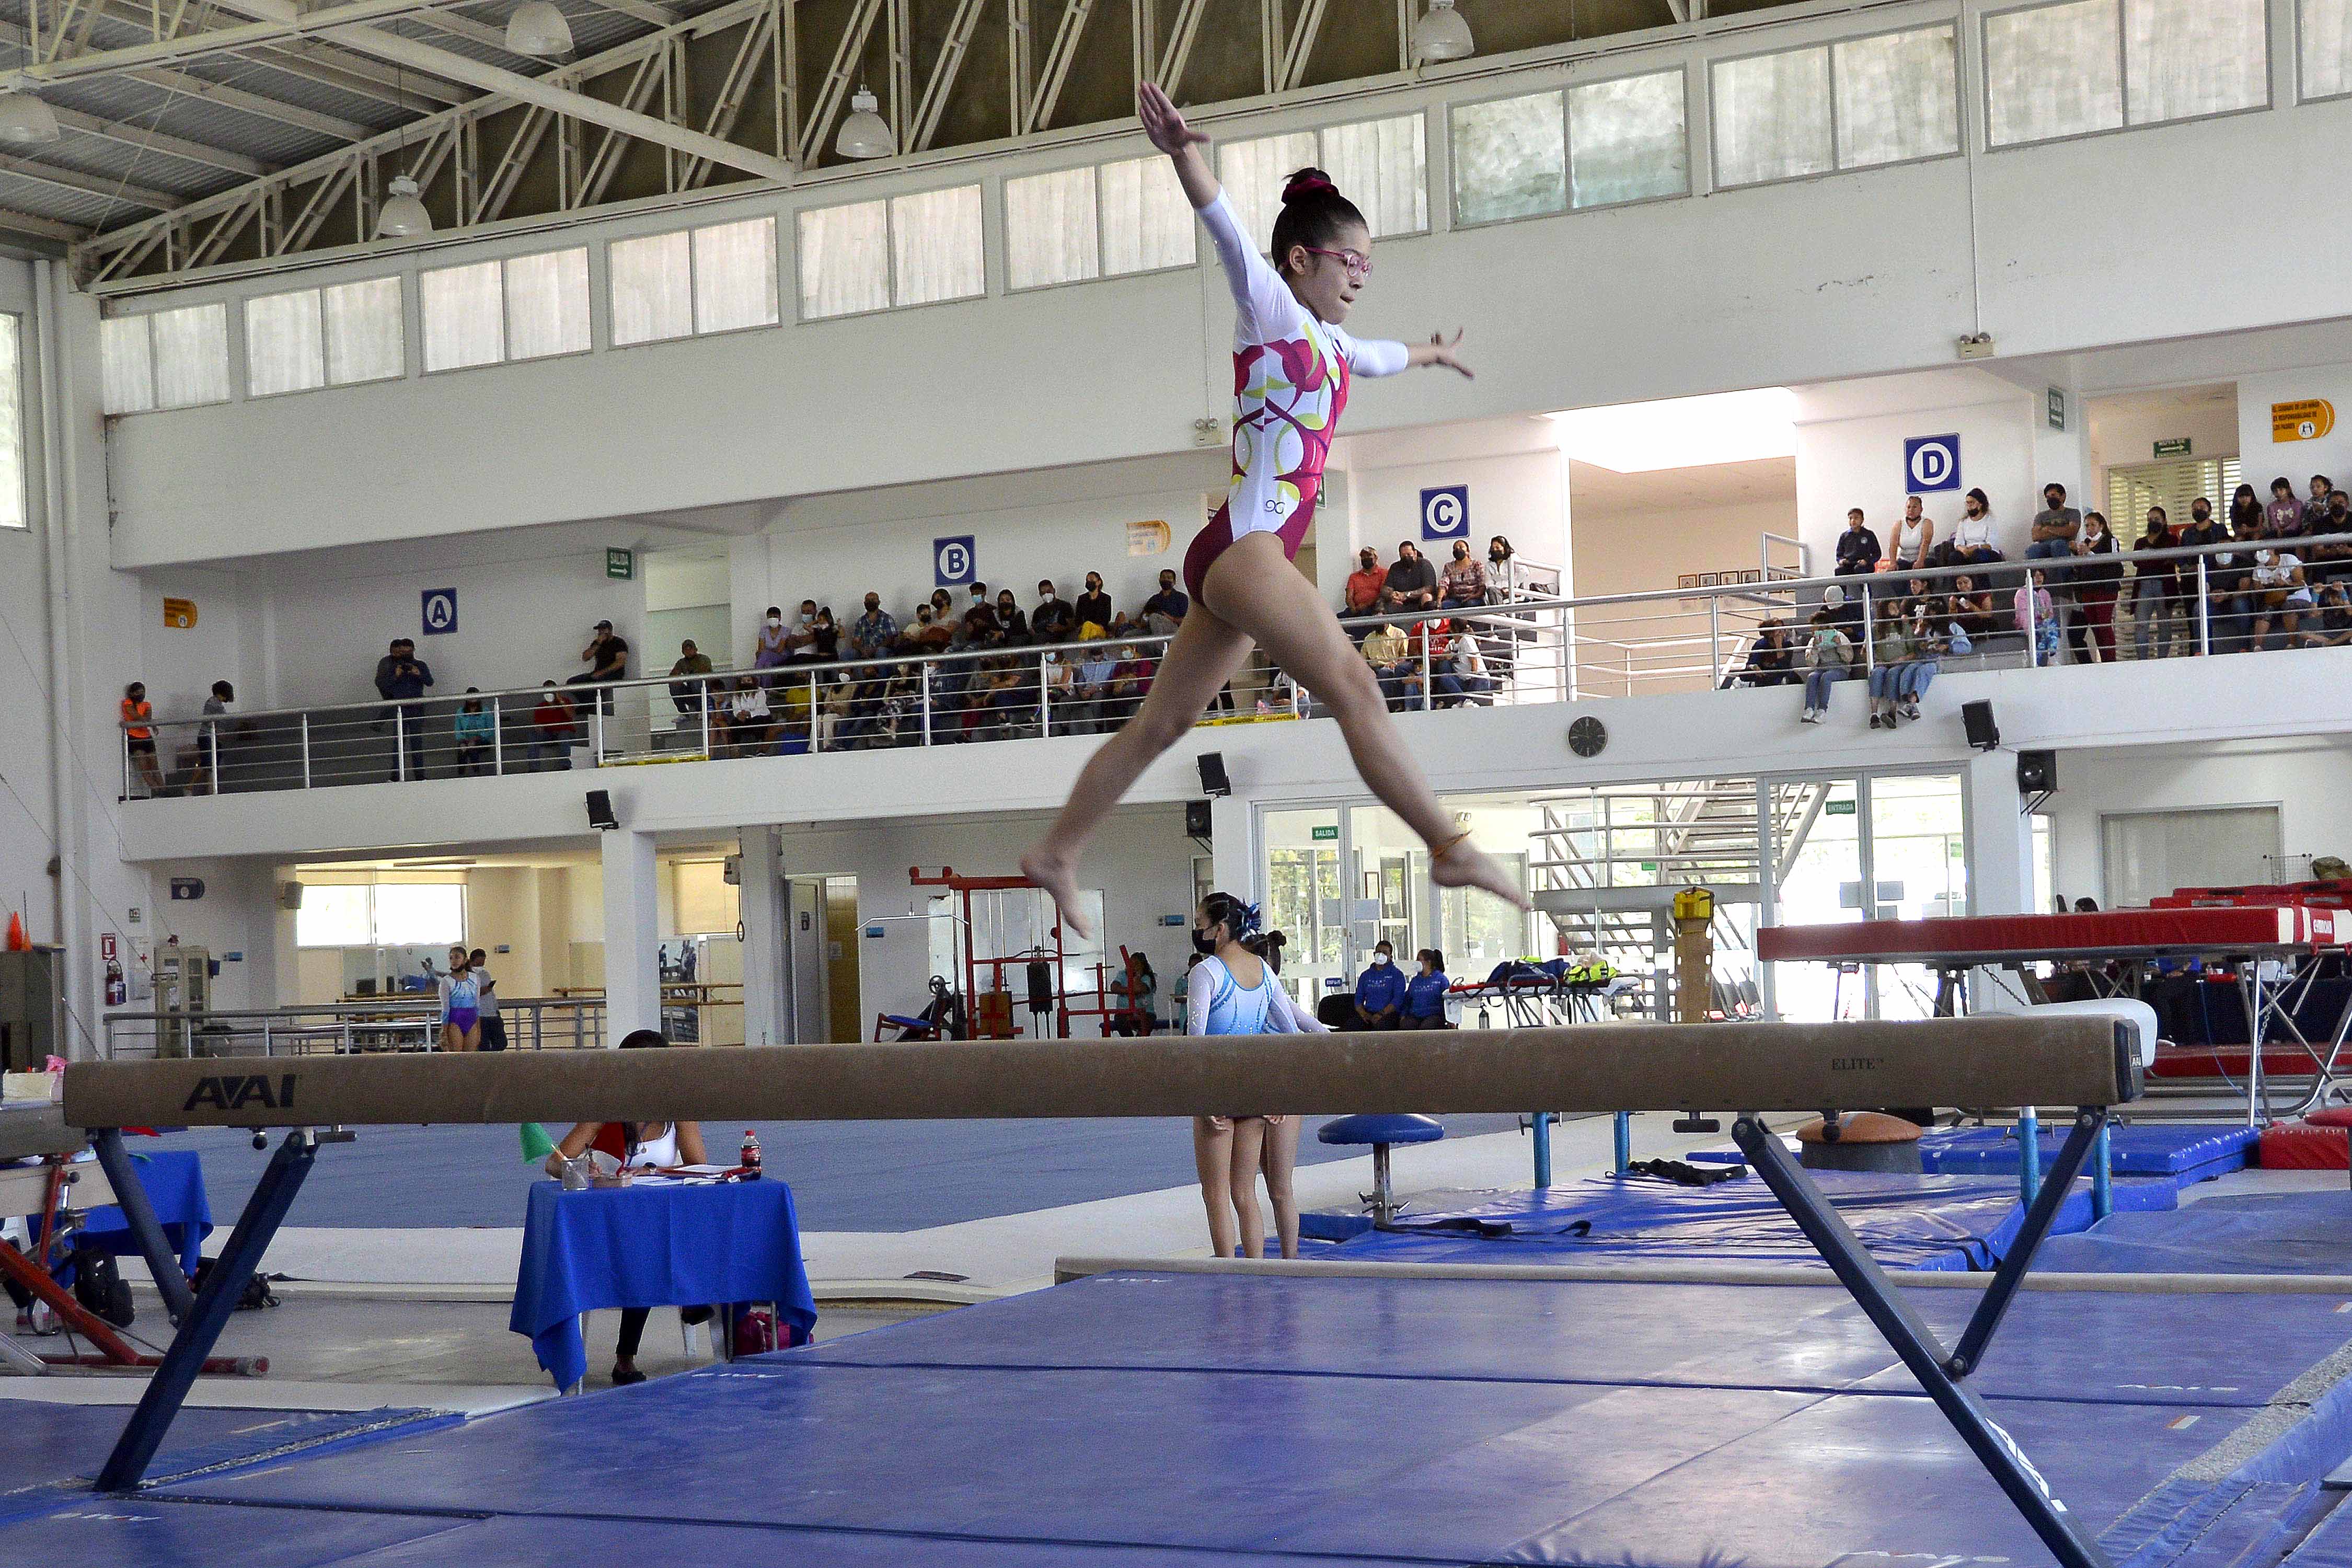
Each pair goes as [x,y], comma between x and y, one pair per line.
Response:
[1380,992]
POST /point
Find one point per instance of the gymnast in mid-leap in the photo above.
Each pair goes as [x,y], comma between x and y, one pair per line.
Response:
[1292,364]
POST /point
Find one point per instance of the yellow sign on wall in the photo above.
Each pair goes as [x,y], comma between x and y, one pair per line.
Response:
[1146,537]
[2307,419]
[180,614]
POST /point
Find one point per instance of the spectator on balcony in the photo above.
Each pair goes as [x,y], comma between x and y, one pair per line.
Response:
[749,719]
[824,638]
[607,658]
[1131,678]
[1412,581]
[1915,537]
[2155,590]
[875,634]
[2037,618]
[476,733]
[2282,519]
[1969,608]
[139,735]
[1464,580]
[1858,553]
[2096,582]
[928,635]
[2316,517]
[772,650]
[2336,526]
[410,676]
[1892,649]
[1508,577]
[2229,598]
[686,693]
[2055,528]
[1057,678]
[800,643]
[943,614]
[1462,676]
[1091,685]
[1379,991]
[1165,610]
[981,627]
[2330,625]
[1769,662]
[1093,605]
[1365,585]
[1014,624]
[1054,621]
[212,738]
[2278,594]
[1972,544]
[1386,650]
[551,729]
[1829,658]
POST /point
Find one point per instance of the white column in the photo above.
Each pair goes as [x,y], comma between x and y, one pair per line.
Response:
[632,934]
[2000,859]
[767,990]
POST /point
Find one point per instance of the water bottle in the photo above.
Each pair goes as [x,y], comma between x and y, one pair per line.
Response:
[751,1161]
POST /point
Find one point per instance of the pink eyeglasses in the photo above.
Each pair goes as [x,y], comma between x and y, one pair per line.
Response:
[1358,265]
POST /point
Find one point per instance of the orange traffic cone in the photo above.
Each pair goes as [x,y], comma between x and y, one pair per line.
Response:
[16,941]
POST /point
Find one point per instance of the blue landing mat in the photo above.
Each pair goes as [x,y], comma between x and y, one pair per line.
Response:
[144,1533]
[1338,1441]
[1907,1222]
[43,1443]
[2197,1152]
[2250,1233]
[1803,1338]
[2329,1546]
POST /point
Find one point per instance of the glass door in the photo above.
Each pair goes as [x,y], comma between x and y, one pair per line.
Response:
[1918,859]
[1304,898]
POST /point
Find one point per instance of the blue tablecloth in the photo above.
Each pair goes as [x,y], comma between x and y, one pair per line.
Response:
[654,1247]
[174,1181]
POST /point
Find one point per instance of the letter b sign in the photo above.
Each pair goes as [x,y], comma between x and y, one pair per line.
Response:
[954,561]
[1931,463]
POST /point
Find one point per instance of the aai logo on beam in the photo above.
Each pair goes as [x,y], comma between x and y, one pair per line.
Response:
[440,611]
[1931,463]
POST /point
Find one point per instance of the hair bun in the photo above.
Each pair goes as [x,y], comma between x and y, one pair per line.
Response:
[1307,182]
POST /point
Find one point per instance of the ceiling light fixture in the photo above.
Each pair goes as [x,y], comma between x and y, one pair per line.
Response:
[862,134]
[1441,35]
[25,120]
[403,215]
[538,29]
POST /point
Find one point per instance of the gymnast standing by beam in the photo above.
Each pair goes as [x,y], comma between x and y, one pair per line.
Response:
[1233,991]
[1292,364]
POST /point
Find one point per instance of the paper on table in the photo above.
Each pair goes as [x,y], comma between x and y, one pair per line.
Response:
[699,1170]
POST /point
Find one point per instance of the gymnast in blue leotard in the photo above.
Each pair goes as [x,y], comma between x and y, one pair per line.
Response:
[1234,990]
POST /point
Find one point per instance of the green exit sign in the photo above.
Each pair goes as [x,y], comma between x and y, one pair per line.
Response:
[1841,808]
[1324,835]
[2178,448]
[621,566]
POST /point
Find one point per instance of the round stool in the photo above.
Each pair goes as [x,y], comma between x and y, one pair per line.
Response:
[1380,1133]
[1864,1140]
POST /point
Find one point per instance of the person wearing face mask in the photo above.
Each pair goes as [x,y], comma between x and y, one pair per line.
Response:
[1425,993]
[1971,542]
[1365,584]
[1379,991]
[1465,578]
[771,652]
[875,634]
[1504,579]
[1412,581]
[1165,610]
[1053,621]
[926,635]
[1093,605]
[2155,590]
[2279,593]
[2096,583]
[2204,530]
[800,638]
[1009,617]
[1233,989]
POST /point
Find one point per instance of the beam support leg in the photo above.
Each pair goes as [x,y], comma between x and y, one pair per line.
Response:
[1910,1338]
[168,1389]
[139,1215]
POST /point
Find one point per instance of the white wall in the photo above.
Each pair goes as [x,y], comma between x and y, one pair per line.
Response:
[1848,458]
[1636,552]
[2303,776]
[1857,274]
[1517,481]
[2264,458]
[2124,431]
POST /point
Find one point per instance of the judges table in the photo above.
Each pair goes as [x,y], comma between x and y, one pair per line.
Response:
[654,1244]
[174,1181]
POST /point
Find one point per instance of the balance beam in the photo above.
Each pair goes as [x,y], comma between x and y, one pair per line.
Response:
[1988,1061]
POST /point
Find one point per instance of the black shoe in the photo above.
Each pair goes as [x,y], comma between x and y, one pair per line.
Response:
[622,1377]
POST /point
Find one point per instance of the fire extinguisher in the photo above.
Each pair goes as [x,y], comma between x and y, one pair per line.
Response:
[118,990]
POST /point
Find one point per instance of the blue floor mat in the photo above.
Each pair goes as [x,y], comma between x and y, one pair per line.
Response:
[2153,1148]
[144,1533]
[1907,1222]
[44,1443]
[2250,1233]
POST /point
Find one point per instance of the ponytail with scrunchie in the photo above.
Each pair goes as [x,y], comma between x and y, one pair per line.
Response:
[1244,922]
[1314,214]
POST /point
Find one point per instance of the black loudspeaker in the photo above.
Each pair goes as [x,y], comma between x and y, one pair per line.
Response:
[2037,772]
[600,809]
[1983,734]
[1196,819]
[1213,781]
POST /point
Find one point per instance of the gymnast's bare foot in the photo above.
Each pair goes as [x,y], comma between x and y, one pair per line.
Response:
[1058,873]
[1462,864]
